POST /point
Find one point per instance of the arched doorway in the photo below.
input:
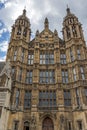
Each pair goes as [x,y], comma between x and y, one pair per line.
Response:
[47,124]
[26,125]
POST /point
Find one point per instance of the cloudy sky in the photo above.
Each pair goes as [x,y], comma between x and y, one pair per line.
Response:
[37,10]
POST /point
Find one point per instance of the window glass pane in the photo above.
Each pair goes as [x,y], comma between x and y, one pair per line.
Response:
[47,98]
[47,76]
[67,98]
[46,58]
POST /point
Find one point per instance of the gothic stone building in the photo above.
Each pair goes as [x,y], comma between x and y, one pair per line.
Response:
[49,77]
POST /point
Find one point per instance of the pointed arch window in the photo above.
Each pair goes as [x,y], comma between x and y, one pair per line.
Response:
[68,32]
[26,125]
[74,31]
[25,32]
[19,31]
[47,124]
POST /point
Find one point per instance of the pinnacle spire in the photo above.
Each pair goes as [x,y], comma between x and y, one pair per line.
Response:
[68,10]
[46,23]
[24,11]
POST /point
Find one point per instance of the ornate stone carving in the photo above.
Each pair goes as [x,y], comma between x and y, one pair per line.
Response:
[7,69]
[33,122]
[49,114]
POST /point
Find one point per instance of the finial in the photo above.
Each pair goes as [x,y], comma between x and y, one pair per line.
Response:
[68,10]
[24,11]
[46,23]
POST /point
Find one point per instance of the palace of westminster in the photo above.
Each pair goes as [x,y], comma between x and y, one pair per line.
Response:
[43,83]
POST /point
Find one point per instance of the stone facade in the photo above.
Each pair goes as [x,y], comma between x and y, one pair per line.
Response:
[5,93]
[49,77]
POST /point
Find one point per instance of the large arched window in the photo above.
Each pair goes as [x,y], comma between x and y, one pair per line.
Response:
[47,124]
[26,125]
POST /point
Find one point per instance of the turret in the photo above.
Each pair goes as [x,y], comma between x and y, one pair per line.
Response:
[71,26]
[21,28]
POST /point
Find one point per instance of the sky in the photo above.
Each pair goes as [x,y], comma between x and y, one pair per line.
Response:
[37,11]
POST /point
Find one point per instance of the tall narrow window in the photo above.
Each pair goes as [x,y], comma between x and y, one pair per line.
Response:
[15,54]
[25,32]
[20,74]
[74,74]
[47,99]
[30,58]
[74,31]
[29,77]
[77,97]
[79,125]
[17,98]
[71,55]
[19,31]
[82,73]
[67,98]
[64,76]
[27,99]
[68,33]
[78,53]
[22,55]
[85,90]
[46,57]
[47,76]
[63,58]
[13,72]
[15,125]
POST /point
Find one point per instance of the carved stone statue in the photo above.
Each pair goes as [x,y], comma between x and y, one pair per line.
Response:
[33,123]
[62,122]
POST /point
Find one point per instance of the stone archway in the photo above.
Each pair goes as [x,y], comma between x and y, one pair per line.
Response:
[26,125]
[47,124]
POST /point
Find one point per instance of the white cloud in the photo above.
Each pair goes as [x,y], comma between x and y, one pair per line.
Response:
[37,10]
[3,58]
[3,30]
[4,46]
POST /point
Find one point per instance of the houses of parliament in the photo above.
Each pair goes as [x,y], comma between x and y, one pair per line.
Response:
[43,83]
